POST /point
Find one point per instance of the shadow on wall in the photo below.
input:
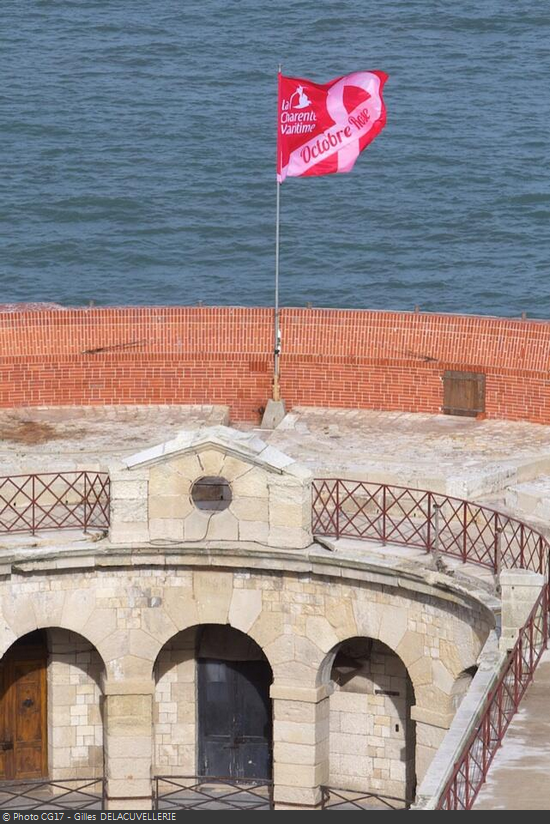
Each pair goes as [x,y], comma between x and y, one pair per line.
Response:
[372,735]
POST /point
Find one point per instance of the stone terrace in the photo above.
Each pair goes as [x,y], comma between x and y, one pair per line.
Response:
[501,461]
[455,455]
[42,439]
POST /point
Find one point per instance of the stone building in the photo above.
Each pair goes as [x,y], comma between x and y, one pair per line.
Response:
[208,634]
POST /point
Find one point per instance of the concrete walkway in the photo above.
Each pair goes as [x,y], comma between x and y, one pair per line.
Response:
[519,778]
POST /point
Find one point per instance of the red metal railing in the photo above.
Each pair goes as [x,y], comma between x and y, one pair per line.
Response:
[471,770]
[68,500]
[436,523]
[474,534]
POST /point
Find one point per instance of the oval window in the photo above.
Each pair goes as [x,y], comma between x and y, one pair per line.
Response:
[211,493]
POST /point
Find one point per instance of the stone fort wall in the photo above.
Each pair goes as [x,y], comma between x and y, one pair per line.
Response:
[330,358]
[127,611]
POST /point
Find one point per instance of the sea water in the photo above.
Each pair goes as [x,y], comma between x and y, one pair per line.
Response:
[137,160]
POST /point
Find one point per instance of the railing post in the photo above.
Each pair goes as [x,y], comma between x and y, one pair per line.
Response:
[85,501]
[545,617]
[437,554]
[33,504]
[498,552]
[467,781]
[429,524]
[531,648]
[486,742]
[384,504]
[522,546]
[337,509]
[517,670]
[464,532]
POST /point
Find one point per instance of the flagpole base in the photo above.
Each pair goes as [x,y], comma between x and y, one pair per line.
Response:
[273,415]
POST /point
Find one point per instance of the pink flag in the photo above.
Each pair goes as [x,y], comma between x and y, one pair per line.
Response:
[322,129]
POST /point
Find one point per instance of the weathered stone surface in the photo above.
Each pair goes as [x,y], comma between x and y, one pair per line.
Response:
[211,461]
[128,488]
[166,529]
[321,632]
[233,467]
[291,537]
[213,596]
[222,526]
[128,533]
[165,480]
[246,606]
[250,509]
[170,506]
[101,623]
[368,618]
[267,628]
[339,613]
[257,531]
[251,484]
[77,608]
[520,590]
[181,606]
[48,608]
[195,526]
[129,510]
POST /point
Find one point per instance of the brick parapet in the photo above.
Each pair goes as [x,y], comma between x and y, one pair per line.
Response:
[330,357]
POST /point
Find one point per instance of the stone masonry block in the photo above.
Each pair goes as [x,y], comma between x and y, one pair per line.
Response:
[246,606]
[128,533]
[213,592]
[166,529]
[222,526]
[129,510]
[250,509]
[128,489]
[164,479]
[289,537]
[253,484]
[256,531]
[170,506]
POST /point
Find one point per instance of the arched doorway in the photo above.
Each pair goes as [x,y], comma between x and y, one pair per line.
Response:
[372,737]
[213,711]
[51,719]
[23,709]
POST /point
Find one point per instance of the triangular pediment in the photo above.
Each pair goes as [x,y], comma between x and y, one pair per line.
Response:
[244,446]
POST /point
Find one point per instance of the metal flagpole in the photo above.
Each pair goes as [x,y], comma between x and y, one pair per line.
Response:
[274,411]
[276,331]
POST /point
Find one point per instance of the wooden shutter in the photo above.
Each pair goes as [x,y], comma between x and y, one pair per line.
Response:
[463,393]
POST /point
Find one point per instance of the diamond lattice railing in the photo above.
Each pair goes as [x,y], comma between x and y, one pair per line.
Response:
[55,500]
[473,765]
[414,517]
[473,534]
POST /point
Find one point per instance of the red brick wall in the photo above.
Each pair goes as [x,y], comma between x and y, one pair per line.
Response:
[331,357]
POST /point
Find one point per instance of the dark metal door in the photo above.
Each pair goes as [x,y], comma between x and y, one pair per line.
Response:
[235,730]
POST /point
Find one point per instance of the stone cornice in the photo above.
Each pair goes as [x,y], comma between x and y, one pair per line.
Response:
[370,568]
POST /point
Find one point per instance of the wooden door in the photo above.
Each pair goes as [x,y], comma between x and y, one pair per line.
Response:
[23,742]
[235,728]
[463,393]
